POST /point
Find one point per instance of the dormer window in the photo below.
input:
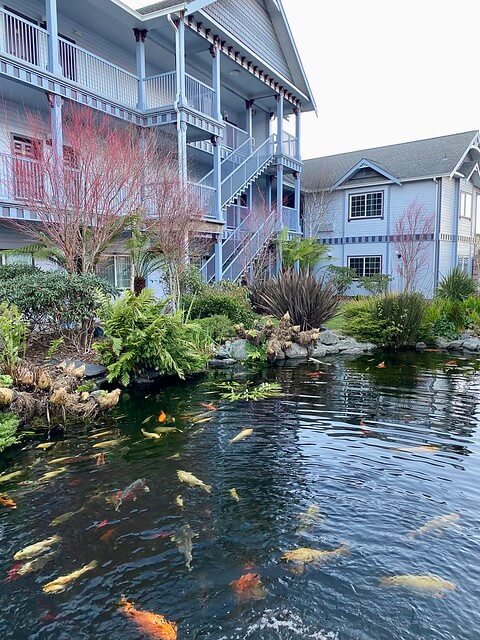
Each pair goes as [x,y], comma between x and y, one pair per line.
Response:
[366,205]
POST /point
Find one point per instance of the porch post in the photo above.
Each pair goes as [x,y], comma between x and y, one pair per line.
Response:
[140,37]
[56,128]
[216,140]
[249,104]
[54,65]
[216,79]
[219,258]
[180,61]
[298,132]
[298,192]
[269,194]
[279,99]
[182,148]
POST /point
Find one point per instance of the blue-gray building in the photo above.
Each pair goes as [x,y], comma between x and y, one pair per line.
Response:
[223,78]
[352,202]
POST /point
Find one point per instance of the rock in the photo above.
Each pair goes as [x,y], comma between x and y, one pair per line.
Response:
[355,351]
[296,351]
[222,354]
[467,334]
[319,351]
[328,338]
[91,370]
[238,350]
[224,363]
[420,346]
[346,344]
[331,350]
[455,345]
[366,346]
[442,343]
[472,344]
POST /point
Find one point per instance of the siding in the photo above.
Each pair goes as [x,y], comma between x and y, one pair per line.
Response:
[249,21]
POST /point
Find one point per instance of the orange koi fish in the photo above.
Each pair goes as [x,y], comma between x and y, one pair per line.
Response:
[162,417]
[209,406]
[5,501]
[100,461]
[382,365]
[249,587]
[107,536]
[152,625]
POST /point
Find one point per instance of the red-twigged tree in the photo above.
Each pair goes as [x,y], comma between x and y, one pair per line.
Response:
[173,222]
[83,196]
[412,239]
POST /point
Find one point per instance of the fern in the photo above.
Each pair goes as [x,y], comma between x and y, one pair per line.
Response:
[8,430]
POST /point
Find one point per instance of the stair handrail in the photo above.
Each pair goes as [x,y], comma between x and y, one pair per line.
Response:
[255,238]
[228,158]
[243,169]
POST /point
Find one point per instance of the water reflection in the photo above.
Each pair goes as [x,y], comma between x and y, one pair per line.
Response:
[377,452]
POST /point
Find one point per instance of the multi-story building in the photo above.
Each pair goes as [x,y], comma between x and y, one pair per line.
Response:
[223,77]
[354,202]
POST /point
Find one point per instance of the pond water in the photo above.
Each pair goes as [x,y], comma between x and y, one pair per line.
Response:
[374,453]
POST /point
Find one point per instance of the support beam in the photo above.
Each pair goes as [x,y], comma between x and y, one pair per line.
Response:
[216,79]
[140,37]
[52,29]
[298,133]
[217,179]
[298,195]
[182,149]
[279,99]
[56,127]
[219,258]
[249,105]
[180,62]
[269,194]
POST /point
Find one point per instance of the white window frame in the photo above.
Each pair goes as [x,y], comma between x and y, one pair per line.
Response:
[350,258]
[465,264]
[466,205]
[4,260]
[365,196]
[115,272]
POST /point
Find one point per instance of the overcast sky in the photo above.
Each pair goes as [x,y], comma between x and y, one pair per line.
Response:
[385,72]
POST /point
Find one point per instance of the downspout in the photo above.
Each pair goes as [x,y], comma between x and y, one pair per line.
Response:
[438,223]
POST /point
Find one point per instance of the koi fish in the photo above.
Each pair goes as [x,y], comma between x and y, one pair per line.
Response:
[161,430]
[101,434]
[184,538]
[436,524]
[67,460]
[209,406]
[10,503]
[310,517]
[241,436]
[45,445]
[6,477]
[107,536]
[234,494]
[302,556]
[37,549]
[201,420]
[52,474]
[382,365]
[147,420]
[427,583]
[193,481]
[36,564]
[102,524]
[65,517]
[162,417]
[153,625]
[249,587]
[12,574]
[179,502]
[108,443]
[176,456]
[426,448]
[151,436]
[100,460]
[316,374]
[132,492]
[60,584]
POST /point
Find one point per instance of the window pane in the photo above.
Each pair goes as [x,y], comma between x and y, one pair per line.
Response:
[373,265]
[124,272]
[374,204]
[357,206]
[107,271]
[18,259]
[357,264]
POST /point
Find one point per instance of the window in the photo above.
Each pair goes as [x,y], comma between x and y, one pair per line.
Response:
[118,271]
[464,264]
[16,259]
[27,171]
[365,265]
[466,205]
[366,205]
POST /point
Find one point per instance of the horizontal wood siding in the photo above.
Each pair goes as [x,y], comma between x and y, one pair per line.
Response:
[249,22]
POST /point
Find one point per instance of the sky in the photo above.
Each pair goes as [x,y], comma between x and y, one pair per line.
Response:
[384,71]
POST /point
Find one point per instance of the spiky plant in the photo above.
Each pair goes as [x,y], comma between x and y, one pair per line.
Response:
[456,286]
[309,301]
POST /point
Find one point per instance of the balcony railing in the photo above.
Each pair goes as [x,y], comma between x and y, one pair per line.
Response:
[207,197]
[20,177]
[27,41]
[290,219]
[234,136]
[289,146]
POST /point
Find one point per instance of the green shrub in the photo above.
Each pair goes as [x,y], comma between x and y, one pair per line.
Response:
[376,284]
[8,430]
[306,252]
[393,321]
[456,286]
[224,299]
[436,323]
[56,303]
[217,328]
[309,302]
[9,271]
[342,277]
[13,334]
[471,308]
[140,337]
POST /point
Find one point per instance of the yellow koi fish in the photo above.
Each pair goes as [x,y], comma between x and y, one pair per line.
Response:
[34,550]
[436,524]
[234,494]
[45,445]
[179,502]
[108,443]
[427,584]
[101,434]
[193,481]
[65,517]
[151,436]
[310,517]
[303,555]
[241,436]
[60,584]
[6,477]
[52,474]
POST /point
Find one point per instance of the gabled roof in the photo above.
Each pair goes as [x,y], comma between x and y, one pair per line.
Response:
[406,161]
[365,164]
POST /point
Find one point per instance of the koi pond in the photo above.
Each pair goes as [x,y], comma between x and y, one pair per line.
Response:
[351,512]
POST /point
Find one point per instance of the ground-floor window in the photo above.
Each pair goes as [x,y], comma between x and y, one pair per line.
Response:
[118,271]
[465,264]
[365,266]
[16,259]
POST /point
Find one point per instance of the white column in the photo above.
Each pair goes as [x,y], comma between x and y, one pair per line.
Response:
[140,37]
[216,79]
[56,128]
[298,193]
[279,99]
[52,29]
[219,258]
[180,61]
[217,141]
[249,106]
[298,133]
[182,148]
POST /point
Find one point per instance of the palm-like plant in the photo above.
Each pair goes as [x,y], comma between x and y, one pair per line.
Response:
[306,252]
[145,259]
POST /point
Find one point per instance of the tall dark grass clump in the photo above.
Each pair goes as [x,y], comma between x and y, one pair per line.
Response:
[456,286]
[309,301]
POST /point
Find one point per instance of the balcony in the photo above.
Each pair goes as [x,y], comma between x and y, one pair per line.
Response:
[27,42]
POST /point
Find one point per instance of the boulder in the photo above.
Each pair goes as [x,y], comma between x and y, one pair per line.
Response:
[420,346]
[296,351]
[222,353]
[471,344]
[328,338]
[319,351]
[366,346]
[224,363]
[354,351]
[331,350]
[233,349]
[455,345]
[442,343]
[347,344]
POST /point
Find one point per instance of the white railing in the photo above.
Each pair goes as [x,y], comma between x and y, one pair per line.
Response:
[250,249]
[234,136]
[253,165]
[97,74]
[23,39]
[160,90]
[20,178]
[290,219]
[199,96]
[207,197]
[289,146]
[235,215]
